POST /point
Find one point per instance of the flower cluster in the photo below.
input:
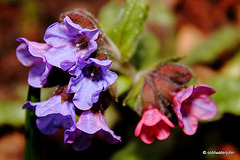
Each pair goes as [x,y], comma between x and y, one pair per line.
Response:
[75,58]
[163,91]
[68,57]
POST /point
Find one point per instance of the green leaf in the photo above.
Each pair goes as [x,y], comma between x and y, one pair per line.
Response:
[133,95]
[108,14]
[227,96]
[224,39]
[147,52]
[126,29]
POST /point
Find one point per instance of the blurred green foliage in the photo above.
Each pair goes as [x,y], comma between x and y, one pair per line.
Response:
[160,14]
[227,86]
[123,84]
[136,150]
[11,113]
[227,95]
[224,39]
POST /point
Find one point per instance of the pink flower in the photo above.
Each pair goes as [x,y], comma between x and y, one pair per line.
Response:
[192,104]
[153,124]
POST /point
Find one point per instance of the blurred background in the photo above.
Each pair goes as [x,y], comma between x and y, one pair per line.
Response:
[206,33]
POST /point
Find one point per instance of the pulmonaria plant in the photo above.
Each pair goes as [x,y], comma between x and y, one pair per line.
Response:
[164,88]
[153,123]
[77,57]
[70,53]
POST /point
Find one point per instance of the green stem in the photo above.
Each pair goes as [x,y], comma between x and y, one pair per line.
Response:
[32,134]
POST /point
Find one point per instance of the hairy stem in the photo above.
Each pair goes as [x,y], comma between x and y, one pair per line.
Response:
[32,134]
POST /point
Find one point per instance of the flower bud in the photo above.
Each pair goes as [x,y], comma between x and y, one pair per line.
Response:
[149,98]
[82,17]
[175,72]
[165,88]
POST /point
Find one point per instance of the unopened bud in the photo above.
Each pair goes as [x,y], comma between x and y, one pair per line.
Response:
[175,72]
[149,97]
[165,88]
[81,17]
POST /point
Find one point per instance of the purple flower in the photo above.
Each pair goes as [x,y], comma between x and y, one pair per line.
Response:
[33,54]
[70,42]
[52,114]
[192,104]
[91,78]
[89,126]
